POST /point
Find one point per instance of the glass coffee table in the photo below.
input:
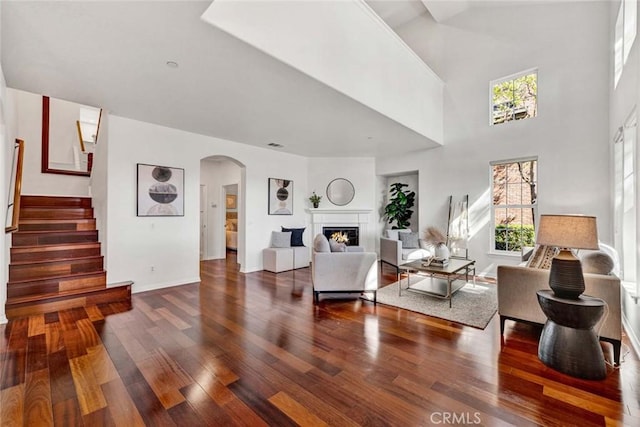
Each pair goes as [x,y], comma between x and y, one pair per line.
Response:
[440,282]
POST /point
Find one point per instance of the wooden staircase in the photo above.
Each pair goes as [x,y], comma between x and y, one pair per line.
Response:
[55,259]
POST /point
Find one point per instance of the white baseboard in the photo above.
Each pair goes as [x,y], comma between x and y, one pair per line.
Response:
[153,286]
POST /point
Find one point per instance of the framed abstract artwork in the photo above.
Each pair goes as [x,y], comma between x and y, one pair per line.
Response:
[160,191]
[280,196]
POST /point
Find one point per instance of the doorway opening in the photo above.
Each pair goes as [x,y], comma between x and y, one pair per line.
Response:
[221,208]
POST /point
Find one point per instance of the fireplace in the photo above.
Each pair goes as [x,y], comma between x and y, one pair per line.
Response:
[352,233]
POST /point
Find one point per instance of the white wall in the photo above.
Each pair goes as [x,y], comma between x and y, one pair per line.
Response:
[360,171]
[171,244]
[5,156]
[569,44]
[216,173]
[29,127]
[99,183]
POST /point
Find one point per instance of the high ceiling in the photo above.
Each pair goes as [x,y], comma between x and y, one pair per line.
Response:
[114,55]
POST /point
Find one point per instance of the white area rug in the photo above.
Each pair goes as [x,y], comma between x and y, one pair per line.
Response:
[471,305]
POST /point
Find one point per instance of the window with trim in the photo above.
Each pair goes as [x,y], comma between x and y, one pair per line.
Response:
[514,189]
[625,34]
[514,97]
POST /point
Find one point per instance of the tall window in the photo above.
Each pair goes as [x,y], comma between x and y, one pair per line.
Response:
[626,203]
[625,34]
[514,97]
[514,188]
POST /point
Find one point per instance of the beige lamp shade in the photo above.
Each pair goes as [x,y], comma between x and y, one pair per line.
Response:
[568,231]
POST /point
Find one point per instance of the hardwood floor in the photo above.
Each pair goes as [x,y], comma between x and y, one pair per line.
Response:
[253,350]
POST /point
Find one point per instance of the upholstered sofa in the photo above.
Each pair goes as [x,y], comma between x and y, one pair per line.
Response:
[394,252]
[342,272]
[517,299]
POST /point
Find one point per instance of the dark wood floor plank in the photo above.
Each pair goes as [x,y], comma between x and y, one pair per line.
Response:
[259,404]
[121,407]
[205,407]
[38,410]
[165,377]
[253,349]
[61,378]
[67,413]
[149,406]
[12,405]
[36,353]
[90,396]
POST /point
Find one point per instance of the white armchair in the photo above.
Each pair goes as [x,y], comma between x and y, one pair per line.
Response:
[342,272]
[393,254]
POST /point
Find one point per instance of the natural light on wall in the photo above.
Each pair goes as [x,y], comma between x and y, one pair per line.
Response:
[625,35]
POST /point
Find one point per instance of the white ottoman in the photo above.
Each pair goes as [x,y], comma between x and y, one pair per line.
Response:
[282,259]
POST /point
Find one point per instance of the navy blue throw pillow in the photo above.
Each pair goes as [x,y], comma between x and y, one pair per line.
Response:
[296,235]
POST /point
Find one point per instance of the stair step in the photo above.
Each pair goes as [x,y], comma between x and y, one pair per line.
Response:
[32,238]
[54,268]
[55,213]
[57,284]
[57,224]
[70,201]
[56,262]
[50,302]
[22,254]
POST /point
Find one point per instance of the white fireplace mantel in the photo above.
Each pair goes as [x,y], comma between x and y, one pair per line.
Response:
[343,217]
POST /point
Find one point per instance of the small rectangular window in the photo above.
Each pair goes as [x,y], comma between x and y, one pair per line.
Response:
[630,26]
[514,97]
[514,188]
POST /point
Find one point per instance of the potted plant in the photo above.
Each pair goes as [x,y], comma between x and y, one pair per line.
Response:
[399,207]
[315,199]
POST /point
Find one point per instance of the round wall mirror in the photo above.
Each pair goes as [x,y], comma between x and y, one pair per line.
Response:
[340,191]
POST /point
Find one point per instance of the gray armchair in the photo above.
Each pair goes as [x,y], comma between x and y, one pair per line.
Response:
[342,272]
[392,253]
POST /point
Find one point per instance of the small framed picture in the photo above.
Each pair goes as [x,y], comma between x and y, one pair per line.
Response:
[160,191]
[280,196]
[232,202]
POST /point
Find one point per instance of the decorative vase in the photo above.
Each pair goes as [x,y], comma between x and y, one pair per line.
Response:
[315,205]
[441,251]
[565,278]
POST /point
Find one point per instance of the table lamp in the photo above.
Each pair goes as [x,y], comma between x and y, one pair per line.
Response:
[567,232]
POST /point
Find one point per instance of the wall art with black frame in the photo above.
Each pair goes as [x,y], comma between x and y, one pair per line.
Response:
[280,196]
[160,191]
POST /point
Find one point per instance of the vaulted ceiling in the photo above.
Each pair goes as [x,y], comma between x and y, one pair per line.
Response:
[114,55]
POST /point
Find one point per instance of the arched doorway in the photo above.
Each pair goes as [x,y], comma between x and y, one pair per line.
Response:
[222,217]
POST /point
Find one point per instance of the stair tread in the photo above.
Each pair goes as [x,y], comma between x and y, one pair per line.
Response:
[60,294]
[53,260]
[54,231]
[47,220]
[62,276]
[53,246]
[60,206]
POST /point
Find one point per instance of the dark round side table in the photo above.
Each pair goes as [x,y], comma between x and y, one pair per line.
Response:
[568,342]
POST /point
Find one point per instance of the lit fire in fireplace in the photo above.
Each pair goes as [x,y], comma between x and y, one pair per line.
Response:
[340,237]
